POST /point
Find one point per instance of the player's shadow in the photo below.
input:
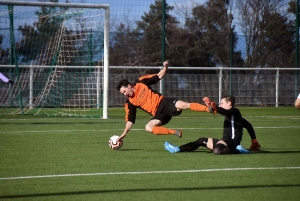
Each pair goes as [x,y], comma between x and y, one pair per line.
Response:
[129,149]
[276,152]
[252,152]
[257,152]
[114,191]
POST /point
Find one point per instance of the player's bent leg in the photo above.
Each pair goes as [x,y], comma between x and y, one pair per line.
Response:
[211,142]
[151,124]
[191,146]
[160,130]
[181,105]
[199,107]
[154,127]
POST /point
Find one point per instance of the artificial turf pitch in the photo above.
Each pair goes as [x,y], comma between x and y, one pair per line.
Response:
[61,158]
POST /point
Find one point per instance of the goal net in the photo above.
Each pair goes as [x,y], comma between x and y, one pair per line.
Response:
[57,56]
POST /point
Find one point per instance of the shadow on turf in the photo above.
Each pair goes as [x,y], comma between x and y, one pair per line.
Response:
[145,190]
[252,152]
[275,152]
[129,149]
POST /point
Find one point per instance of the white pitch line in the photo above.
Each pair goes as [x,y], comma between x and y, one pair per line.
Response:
[136,129]
[149,172]
[178,117]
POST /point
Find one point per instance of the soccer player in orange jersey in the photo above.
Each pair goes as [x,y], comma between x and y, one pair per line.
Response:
[162,108]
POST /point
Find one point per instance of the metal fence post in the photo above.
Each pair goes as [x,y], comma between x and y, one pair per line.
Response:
[220,84]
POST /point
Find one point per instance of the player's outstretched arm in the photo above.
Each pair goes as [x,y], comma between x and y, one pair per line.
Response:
[163,71]
[255,146]
[126,130]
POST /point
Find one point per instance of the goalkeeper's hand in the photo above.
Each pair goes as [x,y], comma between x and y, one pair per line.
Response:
[255,146]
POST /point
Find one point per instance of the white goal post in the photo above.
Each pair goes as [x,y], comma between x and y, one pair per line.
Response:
[106,25]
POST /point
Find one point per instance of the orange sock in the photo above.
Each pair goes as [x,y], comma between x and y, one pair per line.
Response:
[159,130]
[198,107]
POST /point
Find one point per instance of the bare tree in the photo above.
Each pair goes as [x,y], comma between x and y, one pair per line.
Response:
[268,32]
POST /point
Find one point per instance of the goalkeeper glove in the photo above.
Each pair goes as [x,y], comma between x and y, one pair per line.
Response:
[255,146]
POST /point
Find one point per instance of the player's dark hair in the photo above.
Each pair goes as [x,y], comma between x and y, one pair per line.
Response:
[229,98]
[122,83]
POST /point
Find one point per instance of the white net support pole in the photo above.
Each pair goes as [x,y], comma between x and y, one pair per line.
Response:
[31,87]
[277,87]
[106,64]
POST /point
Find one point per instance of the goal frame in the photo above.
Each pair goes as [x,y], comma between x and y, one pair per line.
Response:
[106,7]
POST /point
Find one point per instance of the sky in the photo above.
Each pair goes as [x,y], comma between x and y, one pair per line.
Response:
[132,10]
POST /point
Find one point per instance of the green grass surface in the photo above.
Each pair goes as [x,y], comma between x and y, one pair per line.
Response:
[52,158]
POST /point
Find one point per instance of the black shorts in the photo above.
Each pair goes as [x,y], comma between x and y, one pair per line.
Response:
[231,144]
[166,110]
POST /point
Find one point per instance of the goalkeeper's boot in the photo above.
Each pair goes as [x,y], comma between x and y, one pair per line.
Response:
[171,148]
[178,133]
[242,150]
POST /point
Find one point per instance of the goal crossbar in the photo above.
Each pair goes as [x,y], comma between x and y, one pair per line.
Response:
[52,4]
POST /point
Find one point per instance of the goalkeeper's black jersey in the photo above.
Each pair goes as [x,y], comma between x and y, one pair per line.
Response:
[233,124]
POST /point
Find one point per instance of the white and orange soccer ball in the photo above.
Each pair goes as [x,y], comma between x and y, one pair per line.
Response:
[114,143]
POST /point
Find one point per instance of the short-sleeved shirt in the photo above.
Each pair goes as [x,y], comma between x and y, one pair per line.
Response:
[144,97]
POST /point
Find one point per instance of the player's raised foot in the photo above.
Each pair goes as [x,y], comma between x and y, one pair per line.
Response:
[171,148]
[213,108]
[242,150]
[178,133]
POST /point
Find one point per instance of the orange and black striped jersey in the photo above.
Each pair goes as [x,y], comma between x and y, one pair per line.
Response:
[144,97]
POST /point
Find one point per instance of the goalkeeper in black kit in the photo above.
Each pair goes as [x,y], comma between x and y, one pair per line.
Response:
[232,132]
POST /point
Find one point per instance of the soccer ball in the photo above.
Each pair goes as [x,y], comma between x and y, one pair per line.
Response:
[114,143]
